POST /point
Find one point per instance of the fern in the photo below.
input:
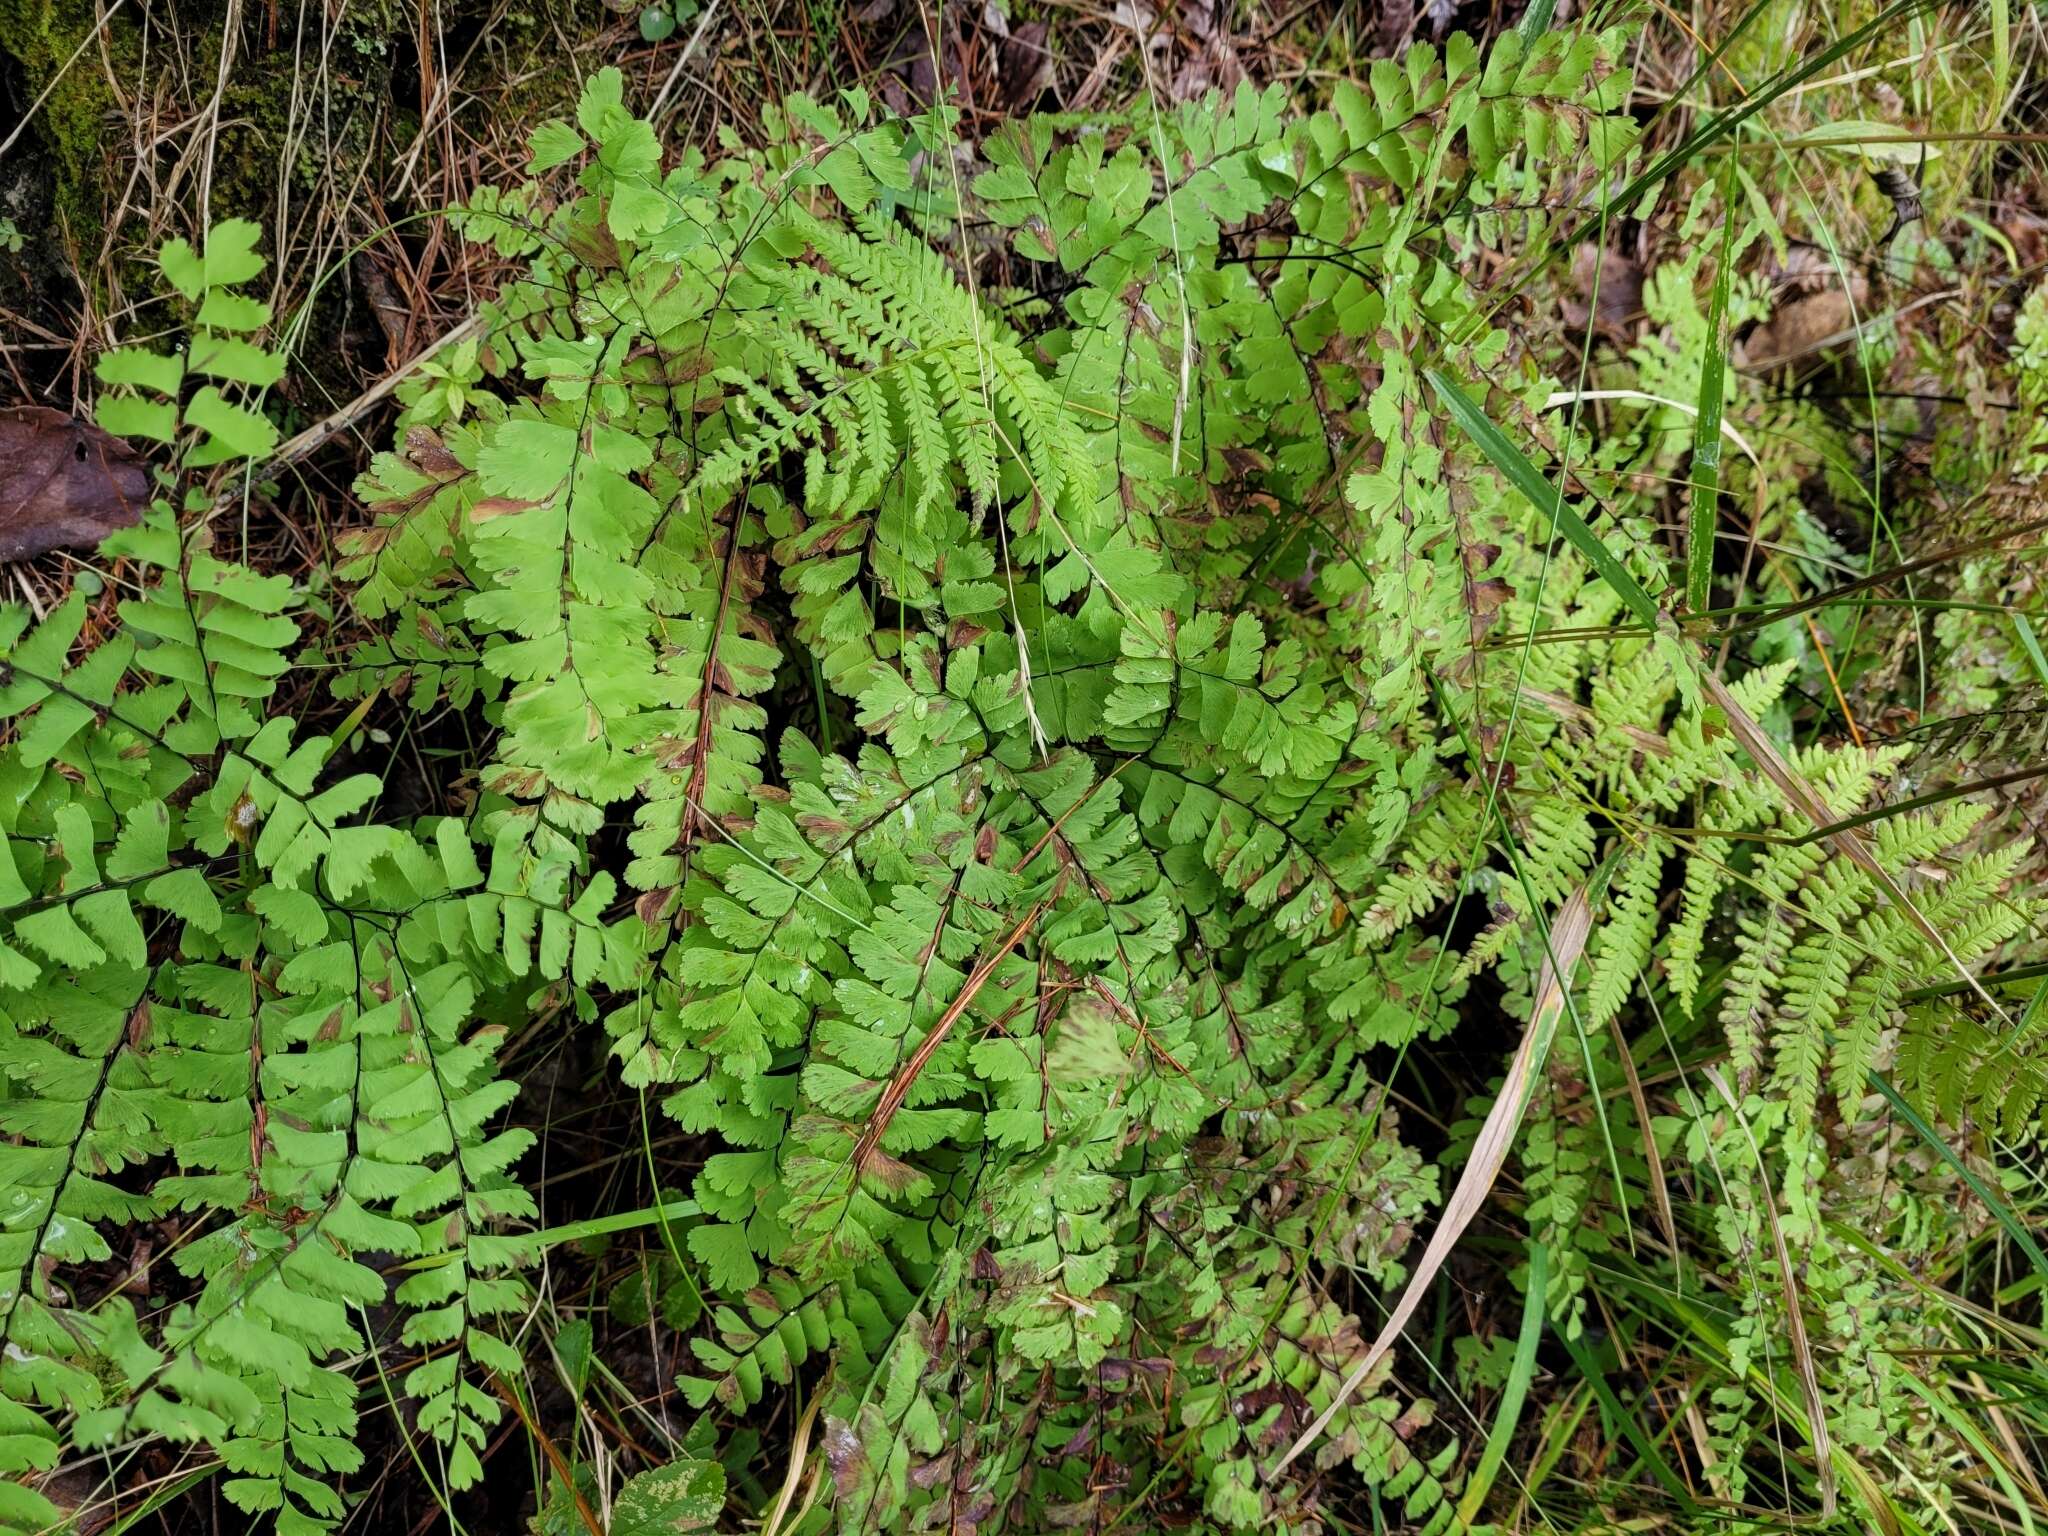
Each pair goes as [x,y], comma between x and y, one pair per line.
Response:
[230,996]
[1011,774]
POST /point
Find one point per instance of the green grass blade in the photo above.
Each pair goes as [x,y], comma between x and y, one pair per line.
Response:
[2001,57]
[1993,1201]
[1712,60]
[1698,1320]
[1922,802]
[1516,1390]
[1543,496]
[1536,20]
[161,1496]
[2032,642]
[604,1226]
[1769,615]
[2004,978]
[1724,123]
[2026,1024]
[1706,442]
[1623,1418]
[1944,1407]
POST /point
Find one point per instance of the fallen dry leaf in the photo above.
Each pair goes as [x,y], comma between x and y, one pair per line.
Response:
[1212,62]
[1617,303]
[1024,66]
[1805,269]
[63,483]
[1817,305]
[1805,326]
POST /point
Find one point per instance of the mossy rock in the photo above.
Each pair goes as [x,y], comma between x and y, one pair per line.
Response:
[41,38]
[317,113]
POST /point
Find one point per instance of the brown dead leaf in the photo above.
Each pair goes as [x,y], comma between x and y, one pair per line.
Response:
[1806,325]
[1212,62]
[488,507]
[845,1457]
[655,907]
[949,53]
[1806,269]
[431,455]
[64,484]
[1024,66]
[1618,303]
[1818,305]
[1397,24]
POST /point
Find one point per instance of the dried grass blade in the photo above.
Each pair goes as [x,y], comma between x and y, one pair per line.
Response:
[1795,1315]
[1844,840]
[1567,942]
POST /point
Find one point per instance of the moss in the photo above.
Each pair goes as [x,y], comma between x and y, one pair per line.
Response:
[41,37]
[65,182]
[81,125]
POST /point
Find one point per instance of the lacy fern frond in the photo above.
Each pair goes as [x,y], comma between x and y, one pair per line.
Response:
[1004,705]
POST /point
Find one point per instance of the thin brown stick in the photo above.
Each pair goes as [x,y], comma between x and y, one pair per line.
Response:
[899,1085]
[554,1456]
[340,420]
[1660,1191]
